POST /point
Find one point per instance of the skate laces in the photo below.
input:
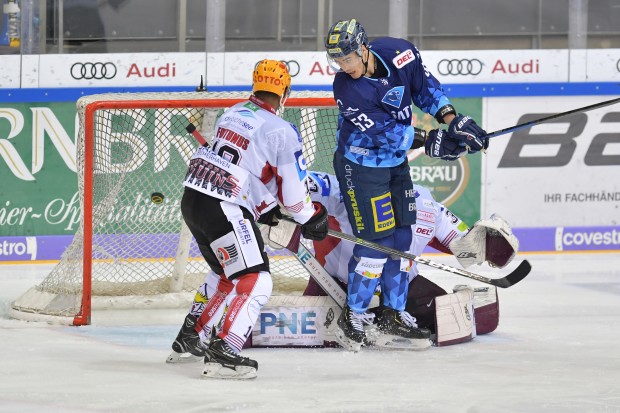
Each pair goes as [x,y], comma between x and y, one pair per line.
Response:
[408,319]
[230,352]
[359,319]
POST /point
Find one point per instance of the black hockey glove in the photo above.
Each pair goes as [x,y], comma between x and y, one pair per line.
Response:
[466,130]
[271,217]
[418,138]
[317,226]
[440,145]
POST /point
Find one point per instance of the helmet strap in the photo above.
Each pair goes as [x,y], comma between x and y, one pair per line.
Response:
[283,100]
[365,63]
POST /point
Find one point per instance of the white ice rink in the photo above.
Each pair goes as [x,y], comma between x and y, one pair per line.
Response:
[557,349]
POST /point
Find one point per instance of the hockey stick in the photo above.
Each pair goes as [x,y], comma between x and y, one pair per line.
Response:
[511,279]
[326,281]
[547,118]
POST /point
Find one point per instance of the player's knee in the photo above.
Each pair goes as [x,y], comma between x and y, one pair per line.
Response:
[370,267]
[257,285]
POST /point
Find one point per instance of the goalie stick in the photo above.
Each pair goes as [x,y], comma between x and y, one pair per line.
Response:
[547,118]
[316,270]
[509,280]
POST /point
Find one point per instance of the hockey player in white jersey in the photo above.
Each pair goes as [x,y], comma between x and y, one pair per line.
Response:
[254,163]
[489,240]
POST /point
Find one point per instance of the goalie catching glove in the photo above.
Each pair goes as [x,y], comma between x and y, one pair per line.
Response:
[489,240]
[317,226]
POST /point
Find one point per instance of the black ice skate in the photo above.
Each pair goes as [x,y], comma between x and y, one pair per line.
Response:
[222,362]
[350,332]
[187,346]
[398,330]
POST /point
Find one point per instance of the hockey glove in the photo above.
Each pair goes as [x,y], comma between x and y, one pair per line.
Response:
[413,138]
[440,145]
[271,217]
[317,226]
[467,131]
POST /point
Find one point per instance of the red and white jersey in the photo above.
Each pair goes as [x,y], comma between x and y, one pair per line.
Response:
[255,161]
[435,225]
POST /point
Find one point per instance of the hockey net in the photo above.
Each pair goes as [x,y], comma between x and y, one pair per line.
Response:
[131,250]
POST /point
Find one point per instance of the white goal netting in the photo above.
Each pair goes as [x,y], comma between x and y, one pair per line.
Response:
[131,249]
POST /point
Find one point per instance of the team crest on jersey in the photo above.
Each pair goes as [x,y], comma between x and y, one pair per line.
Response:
[394,96]
[403,58]
[383,81]
[319,183]
[227,255]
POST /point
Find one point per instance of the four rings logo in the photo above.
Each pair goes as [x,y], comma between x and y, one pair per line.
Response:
[618,65]
[291,65]
[456,67]
[91,70]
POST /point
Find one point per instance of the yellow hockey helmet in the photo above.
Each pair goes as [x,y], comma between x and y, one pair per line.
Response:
[271,76]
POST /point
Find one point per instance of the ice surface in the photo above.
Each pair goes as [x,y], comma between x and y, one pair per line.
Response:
[557,349]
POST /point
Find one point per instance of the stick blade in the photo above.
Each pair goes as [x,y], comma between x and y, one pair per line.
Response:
[514,277]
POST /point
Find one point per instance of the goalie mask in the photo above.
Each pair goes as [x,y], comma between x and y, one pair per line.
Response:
[272,76]
[489,240]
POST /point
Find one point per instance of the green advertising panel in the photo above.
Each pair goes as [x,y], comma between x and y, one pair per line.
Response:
[38,182]
[39,189]
[456,184]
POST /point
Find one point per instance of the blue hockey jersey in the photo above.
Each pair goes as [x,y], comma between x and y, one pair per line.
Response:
[374,123]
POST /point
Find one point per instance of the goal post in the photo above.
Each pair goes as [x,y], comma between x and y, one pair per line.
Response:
[132,248]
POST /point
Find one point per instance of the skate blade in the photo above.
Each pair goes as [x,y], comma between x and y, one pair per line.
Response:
[181,358]
[346,342]
[217,371]
[391,342]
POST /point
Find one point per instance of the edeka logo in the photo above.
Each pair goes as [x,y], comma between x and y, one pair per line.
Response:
[592,238]
[288,322]
[18,249]
[447,180]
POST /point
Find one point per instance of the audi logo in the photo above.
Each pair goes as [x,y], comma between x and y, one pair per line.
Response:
[91,70]
[456,67]
[618,65]
[291,65]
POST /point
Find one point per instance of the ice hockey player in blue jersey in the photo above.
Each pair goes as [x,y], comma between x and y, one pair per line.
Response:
[374,88]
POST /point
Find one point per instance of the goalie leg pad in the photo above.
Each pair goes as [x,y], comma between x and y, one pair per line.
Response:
[421,301]
[455,317]
[486,309]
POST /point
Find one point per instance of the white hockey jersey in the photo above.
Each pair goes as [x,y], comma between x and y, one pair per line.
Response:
[434,223]
[255,160]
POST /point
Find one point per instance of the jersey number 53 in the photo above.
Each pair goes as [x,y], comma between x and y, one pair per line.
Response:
[362,121]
